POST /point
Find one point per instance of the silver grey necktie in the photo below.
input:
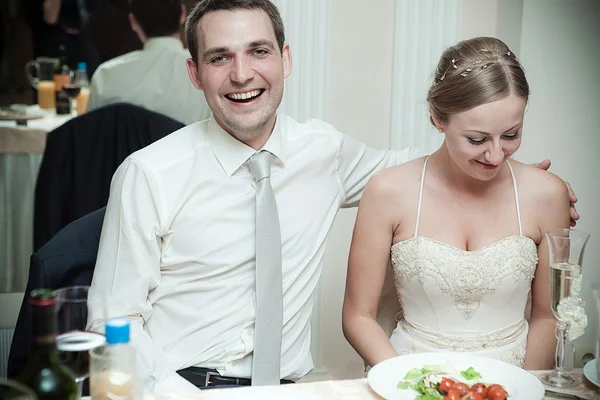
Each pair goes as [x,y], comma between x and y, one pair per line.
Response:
[269,302]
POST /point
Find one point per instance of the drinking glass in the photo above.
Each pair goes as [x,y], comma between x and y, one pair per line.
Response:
[73,340]
[11,390]
[43,79]
[72,91]
[111,378]
[566,248]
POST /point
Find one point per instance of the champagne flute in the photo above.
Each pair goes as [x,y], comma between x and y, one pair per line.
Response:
[566,248]
[73,341]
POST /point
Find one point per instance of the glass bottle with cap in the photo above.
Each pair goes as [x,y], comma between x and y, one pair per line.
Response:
[82,79]
[44,374]
[112,367]
[62,77]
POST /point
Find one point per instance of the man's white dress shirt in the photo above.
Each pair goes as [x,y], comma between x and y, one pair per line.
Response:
[177,251]
[155,78]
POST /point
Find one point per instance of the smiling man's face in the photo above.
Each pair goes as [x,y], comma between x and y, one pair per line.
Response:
[241,71]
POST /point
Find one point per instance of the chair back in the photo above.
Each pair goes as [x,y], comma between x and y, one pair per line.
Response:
[68,259]
[80,159]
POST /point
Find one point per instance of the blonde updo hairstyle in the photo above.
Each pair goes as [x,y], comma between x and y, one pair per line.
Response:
[474,72]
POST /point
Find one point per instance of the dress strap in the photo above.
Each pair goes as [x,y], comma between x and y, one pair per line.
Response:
[420,196]
[514,179]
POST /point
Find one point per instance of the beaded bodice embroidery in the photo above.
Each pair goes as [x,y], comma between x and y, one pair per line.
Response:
[461,300]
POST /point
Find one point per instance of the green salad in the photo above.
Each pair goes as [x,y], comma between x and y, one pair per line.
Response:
[433,382]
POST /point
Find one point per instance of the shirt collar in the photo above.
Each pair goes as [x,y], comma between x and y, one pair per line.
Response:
[232,154]
[163,42]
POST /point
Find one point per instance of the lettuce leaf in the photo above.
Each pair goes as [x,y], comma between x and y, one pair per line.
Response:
[470,374]
[404,385]
[438,368]
[415,379]
[414,374]
[426,392]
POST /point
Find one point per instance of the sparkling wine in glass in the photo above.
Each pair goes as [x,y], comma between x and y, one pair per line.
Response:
[566,247]
[564,278]
[73,341]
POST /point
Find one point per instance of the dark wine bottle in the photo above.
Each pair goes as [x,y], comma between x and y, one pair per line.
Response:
[63,103]
[43,373]
[62,76]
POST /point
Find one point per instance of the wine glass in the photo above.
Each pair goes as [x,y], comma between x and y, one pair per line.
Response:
[566,248]
[73,340]
[12,390]
[72,90]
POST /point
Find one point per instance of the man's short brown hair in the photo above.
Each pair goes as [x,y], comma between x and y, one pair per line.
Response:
[205,6]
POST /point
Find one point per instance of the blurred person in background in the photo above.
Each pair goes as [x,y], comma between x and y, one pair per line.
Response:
[56,23]
[156,76]
[15,51]
[116,38]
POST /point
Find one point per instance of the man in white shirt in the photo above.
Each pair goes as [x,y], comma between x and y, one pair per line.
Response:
[177,251]
[155,77]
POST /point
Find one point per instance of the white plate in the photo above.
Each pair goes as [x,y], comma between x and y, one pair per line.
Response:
[21,112]
[590,370]
[520,384]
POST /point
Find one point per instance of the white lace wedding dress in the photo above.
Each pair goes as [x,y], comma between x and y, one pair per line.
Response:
[466,301]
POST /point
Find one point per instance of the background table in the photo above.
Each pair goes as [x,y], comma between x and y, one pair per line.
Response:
[21,150]
[328,390]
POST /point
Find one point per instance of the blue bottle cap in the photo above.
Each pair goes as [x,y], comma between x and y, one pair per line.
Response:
[81,66]
[117,331]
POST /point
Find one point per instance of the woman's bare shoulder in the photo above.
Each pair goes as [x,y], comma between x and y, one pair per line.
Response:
[399,179]
[407,170]
[543,187]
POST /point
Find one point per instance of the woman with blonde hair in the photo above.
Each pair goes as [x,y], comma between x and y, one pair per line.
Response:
[465,227]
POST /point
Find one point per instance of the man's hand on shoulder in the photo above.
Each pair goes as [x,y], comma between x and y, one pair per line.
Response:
[545,165]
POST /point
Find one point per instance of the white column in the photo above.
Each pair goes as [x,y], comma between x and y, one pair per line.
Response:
[424,28]
[307,32]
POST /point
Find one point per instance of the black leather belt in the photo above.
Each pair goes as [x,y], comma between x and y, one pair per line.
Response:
[202,377]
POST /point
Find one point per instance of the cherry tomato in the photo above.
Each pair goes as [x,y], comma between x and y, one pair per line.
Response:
[499,394]
[462,388]
[445,385]
[493,388]
[453,394]
[475,396]
[481,389]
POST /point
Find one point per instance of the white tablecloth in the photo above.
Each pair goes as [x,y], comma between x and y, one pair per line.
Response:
[327,390]
[21,150]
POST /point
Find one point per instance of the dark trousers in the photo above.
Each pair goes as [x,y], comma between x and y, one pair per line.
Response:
[205,378]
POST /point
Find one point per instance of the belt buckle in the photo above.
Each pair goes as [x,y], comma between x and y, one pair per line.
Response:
[210,374]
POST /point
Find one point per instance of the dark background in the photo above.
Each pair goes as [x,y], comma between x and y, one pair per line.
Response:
[110,30]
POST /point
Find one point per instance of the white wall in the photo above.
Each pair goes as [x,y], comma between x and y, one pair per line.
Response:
[560,50]
[479,18]
[359,86]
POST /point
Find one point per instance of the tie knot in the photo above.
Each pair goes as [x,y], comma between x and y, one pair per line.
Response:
[260,165]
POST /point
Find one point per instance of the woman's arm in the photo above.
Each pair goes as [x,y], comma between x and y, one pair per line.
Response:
[51,11]
[552,209]
[367,264]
